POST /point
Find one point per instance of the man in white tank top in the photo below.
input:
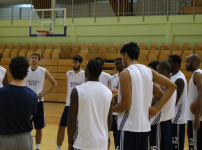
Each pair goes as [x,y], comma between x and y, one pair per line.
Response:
[104,78]
[3,75]
[161,137]
[114,85]
[74,77]
[181,106]
[135,96]
[90,112]
[194,128]
[35,81]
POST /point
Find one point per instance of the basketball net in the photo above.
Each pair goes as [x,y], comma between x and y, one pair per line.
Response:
[41,35]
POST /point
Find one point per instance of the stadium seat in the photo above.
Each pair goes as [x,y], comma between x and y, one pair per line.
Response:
[152,57]
[67,48]
[103,49]
[28,55]
[174,48]
[22,54]
[40,50]
[3,47]
[13,54]
[23,50]
[55,55]
[64,55]
[195,48]
[76,49]
[199,53]
[7,50]
[143,48]
[48,50]
[6,54]
[93,49]
[142,57]
[112,49]
[154,51]
[57,50]
[59,47]
[10,47]
[163,48]
[83,54]
[18,47]
[163,56]
[31,50]
[15,50]
[176,52]
[25,47]
[50,47]
[46,55]
[95,44]
[185,54]
[153,48]
[42,47]
[114,44]
[1,51]
[85,47]
[184,48]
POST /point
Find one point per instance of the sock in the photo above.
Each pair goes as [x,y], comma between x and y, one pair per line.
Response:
[38,146]
[58,147]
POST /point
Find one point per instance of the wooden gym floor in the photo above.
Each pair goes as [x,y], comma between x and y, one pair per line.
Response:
[53,112]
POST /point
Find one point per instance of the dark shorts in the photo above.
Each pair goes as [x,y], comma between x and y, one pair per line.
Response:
[178,136]
[39,119]
[132,140]
[194,137]
[64,118]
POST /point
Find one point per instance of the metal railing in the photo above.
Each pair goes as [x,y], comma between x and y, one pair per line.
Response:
[20,9]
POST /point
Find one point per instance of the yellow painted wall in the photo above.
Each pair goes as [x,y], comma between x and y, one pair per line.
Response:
[154,29]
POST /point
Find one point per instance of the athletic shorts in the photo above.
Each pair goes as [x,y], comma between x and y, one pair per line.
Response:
[178,136]
[132,140]
[194,137]
[64,118]
[114,124]
[39,119]
[22,141]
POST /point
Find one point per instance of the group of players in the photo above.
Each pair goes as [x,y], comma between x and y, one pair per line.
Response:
[152,102]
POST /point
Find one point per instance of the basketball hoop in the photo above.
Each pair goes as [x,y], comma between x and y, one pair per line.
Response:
[41,34]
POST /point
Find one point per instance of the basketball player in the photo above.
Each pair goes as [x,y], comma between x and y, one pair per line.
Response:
[161,137]
[35,81]
[74,77]
[135,96]
[104,78]
[115,83]
[18,105]
[3,75]
[194,128]
[90,112]
[181,108]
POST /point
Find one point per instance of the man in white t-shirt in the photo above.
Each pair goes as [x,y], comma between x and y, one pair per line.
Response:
[3,75]
[114,85]
[194,127]
[161,134]
[35,81]
[90,112]
[74,77]
[181,106]
[134,99]
[104,78]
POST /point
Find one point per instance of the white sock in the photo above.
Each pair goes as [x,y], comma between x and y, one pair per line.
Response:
[58,147]
[38,146]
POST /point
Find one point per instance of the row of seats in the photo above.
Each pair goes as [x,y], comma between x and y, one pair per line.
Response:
[103,48]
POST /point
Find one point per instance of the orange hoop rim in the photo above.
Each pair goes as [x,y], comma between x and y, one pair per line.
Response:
[43,31]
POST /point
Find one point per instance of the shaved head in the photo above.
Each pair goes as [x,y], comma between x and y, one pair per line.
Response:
[194,57]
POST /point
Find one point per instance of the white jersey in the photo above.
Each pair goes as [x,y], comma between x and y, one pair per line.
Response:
[192,95]
[167,112]
[136,118]
[35,80]
[181,108]
[74,79]
[92,119]
[105,79]
[114,84]
[2,75]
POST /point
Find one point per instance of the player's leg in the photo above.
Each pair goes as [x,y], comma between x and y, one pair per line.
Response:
[114,129]
[181,136]
[153,137]
[118,134]
[62,127]
[144,140]
[175,140]
[39,123]
[190,132]
[166,135]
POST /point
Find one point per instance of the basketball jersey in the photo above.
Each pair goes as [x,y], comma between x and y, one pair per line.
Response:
[181,107]
[92,120]
[114,84]
[192,95]
[105,79]
[167,112]
[74,79]
[35,80]
[136,118]
[2,75]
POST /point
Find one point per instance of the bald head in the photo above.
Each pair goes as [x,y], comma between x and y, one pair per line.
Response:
[194,57]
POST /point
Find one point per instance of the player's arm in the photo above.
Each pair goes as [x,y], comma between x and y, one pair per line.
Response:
[5,80]
[53,84]
[168,92]
[110,119]
[198,82]
[180,87]
[126,92]
[157,93]
[72,118]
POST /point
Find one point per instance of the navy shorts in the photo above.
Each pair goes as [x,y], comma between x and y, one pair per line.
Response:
[194,137]
[166,135]
[64,118]
[154,137]
[39,119]
[132,140]
[178,136]
[114,129]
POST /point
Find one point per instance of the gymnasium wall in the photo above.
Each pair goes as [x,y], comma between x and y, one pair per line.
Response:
[154,29]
